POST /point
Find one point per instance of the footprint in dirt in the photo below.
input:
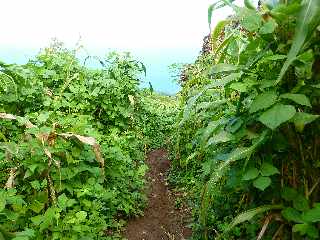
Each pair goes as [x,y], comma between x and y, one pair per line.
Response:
[161,221]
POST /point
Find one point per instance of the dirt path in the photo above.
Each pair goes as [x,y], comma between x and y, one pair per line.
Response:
[161,221]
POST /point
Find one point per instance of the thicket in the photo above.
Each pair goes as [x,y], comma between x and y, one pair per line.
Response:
[72,145]
[247,136]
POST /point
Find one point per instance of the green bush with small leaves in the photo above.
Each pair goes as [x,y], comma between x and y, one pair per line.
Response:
[72,145]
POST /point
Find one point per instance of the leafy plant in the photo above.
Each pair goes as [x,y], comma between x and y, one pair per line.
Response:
[72,145]
[248,125]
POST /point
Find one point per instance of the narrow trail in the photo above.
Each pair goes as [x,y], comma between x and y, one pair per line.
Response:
[161,221]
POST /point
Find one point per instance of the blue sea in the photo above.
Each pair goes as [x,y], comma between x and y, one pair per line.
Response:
[157,62]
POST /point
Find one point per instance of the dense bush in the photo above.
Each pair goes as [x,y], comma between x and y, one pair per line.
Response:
[247,136]
[158,115]
[72,145]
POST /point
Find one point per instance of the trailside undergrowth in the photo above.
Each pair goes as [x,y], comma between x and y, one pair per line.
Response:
[247,136]
[72,145]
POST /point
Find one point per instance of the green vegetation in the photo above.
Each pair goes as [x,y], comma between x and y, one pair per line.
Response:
[243,134]
[247,134]
[72,146]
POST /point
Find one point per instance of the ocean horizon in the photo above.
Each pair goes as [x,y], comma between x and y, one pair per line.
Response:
[157,62]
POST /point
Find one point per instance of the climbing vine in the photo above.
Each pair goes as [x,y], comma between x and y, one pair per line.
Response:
[72,145]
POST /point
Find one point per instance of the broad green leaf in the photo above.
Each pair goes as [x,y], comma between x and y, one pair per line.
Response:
[250,174]
[268,27]
[306,57]
[311,215]
[48,218]
[188,108]
[301,119]
[263,101]
[262,183]
[211,128]
[28,233]
[282,10]
[220,137]
[248,215]
[43,117]
[37,220]
[289,194]
[306,229]
[300,203]
[234,125]
[252,21]
[292,214]
[235,155]
[239,86]
[64,201]
[268,169]
[37,206]
[307,22]
[277,115]
[223,67]
[298,98]
[36,185]
[225,80]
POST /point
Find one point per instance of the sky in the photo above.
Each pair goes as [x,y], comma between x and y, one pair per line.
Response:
[156,31]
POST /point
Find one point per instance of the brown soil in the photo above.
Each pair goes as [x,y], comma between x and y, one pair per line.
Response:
[161,221]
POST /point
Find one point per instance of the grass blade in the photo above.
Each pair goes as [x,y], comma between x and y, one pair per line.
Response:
[307,21]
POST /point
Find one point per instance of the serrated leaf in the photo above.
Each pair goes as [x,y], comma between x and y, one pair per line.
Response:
[250,174]
[298,98]
[277,115]
[292,214]
[263,101]
[262,183]
[268,169]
